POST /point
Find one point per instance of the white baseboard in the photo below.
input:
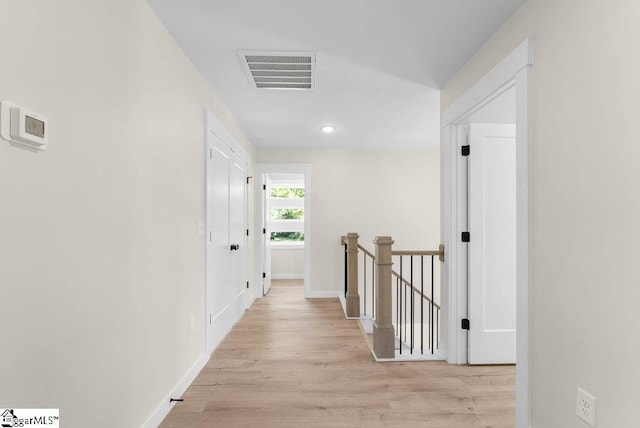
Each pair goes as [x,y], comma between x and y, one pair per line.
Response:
[322,295]
[165,406]
[409,357]
[366,324]
[287,276]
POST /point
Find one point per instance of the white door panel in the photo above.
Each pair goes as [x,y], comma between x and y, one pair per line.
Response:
[237,228]
[492,248]
[218,286]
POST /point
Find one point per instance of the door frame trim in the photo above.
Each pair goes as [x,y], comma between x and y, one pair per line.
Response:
[212,124]
[282,168]
[513,71]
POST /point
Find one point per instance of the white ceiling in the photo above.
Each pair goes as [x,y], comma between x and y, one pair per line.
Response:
[379,64]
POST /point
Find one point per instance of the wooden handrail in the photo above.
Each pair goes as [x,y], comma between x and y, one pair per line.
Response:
[417,253]
[367,252]
[396,274]
[343,240]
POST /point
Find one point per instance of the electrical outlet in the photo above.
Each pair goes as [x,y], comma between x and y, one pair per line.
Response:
[193,325]
[586,407]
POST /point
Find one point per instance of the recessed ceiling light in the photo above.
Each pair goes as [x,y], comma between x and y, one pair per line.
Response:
[328,129]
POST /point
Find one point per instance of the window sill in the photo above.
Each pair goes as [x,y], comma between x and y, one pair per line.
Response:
[287,245]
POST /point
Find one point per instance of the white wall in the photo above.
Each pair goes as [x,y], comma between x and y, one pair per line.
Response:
[287,263]
[585,176]
[372,193]
[101,266]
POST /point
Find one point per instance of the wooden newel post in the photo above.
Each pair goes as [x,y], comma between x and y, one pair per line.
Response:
[353,299]
[383,332]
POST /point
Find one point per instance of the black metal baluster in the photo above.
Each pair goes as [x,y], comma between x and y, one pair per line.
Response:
[432,302]
[397,307]
[421,304]
[401,285]
[412,305]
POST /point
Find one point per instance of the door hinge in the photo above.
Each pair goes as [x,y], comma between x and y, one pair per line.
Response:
[264,231]
[466,324]
[466,237]
[264,275]
[247,284]
[247,232]
[264,187]
[466,150]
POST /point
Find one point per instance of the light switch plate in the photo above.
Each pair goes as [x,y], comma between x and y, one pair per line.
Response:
[200,228]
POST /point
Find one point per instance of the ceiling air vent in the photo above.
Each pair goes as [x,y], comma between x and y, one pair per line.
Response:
[277,70]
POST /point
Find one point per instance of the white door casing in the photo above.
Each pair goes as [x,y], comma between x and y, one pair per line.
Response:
[304,169]
[266,235]
[492,247]
[513,71]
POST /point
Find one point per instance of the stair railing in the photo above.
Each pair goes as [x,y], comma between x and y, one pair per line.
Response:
[417,315]
[403,303]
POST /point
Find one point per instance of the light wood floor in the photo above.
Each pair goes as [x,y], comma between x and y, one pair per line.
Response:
[292,362]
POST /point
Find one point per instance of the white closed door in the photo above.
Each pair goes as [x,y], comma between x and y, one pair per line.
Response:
[492,244]
[227,295]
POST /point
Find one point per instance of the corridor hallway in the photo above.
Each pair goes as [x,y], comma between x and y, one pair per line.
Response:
[296,362]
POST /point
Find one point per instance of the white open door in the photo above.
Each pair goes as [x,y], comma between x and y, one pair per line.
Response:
[266,236]
[492,245]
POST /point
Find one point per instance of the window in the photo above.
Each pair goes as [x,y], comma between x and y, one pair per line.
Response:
[287,215]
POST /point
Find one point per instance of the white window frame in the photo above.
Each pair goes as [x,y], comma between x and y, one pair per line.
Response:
[287,225]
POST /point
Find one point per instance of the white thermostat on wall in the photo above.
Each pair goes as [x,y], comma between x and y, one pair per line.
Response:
[23,128]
